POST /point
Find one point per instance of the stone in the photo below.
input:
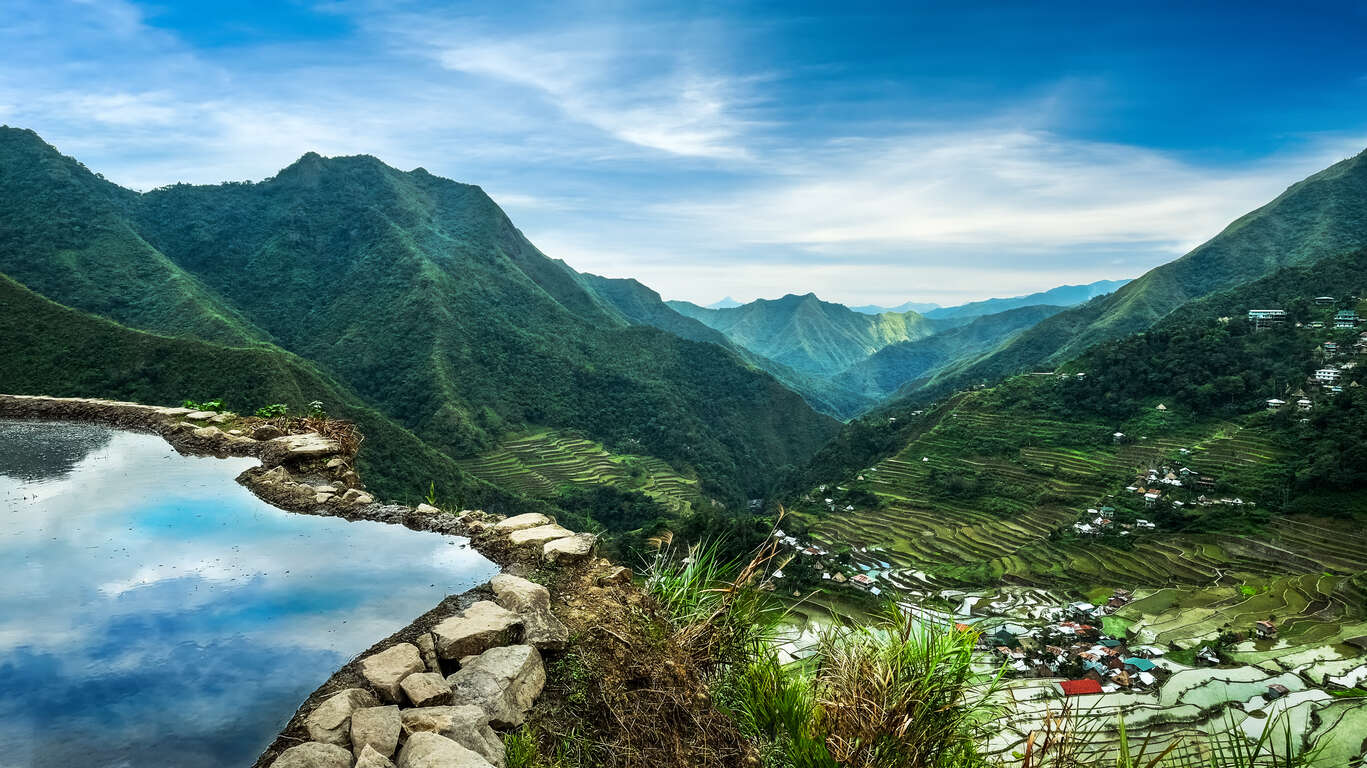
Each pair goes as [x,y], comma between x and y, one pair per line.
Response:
[235,432]
[427,648]
[267,432]
[475,630]
[532,602]
[426,689]
[219,418]
[428,750]
[427,509]
[324,489]
[354,496]
[539,535]
[207,433]
[466,724]
[322,498]
[369,758]
[312,754]
[376,727]
[330,721]
[520,522]
[307,445]
[387,669]
[336,463]
[200,415]
[276,476]
[571,549]
[615,575]
[504,682]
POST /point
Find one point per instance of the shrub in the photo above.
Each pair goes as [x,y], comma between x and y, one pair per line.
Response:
[272,411]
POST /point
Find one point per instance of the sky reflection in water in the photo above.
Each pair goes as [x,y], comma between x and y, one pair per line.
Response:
[154,612]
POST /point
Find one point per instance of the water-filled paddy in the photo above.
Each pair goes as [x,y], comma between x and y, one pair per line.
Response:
[154,612]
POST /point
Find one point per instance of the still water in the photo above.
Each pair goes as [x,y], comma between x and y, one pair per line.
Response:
[155,613]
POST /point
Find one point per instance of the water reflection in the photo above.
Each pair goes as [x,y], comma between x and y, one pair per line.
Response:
[156,613]
[61,446]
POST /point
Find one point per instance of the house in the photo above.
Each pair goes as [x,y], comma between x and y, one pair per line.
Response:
[1161,407]
[1327,375]
[1207,655]
[1139,665]
[1265,629]
[1276,691]
[1324,301]
[1118,436]
[1084,687]
[1274,403]
[1304,404]
[1346,319]
[861,580]
[1266,318]
[1146,678]
[1331,348]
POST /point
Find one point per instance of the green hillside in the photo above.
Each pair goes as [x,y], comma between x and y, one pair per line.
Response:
[810,336]
[417,294]
[896,365]
[1322,215]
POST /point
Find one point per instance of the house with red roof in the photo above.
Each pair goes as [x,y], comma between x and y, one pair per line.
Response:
[1080,687]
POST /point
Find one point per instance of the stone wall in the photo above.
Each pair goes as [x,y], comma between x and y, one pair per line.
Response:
[436,693]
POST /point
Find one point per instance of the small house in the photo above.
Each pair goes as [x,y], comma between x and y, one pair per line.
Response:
[1346,319]
[1327,375]
[1139,665]
[1304,404]
[1276,691]
[1265,629]
[1085,687]
[1274,403]
[1324,301]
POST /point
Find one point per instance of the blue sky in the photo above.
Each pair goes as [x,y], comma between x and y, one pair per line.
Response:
[933,152]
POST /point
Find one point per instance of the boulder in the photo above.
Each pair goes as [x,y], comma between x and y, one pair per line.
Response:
[200,415]
[427,648]
[355,496]
[322,498]
[267,432]
[615,575]
[305,446]
[207,433]
[377,728]
[503,681]
[532,602]
[428,750]
[369,758]
[387,669]
[330,721]
[571,549]
[520,522]
[426,689]
[312,754]
[427,509]
[539,535]
[466,724]
[336,463]
[475,630]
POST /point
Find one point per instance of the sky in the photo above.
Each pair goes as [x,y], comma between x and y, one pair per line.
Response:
[872,153]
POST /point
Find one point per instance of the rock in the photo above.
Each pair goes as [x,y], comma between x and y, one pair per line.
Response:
[200,415]
[276,476]
[615,575]
[532,602]
[350,479]
[354,496]
[376,727]
[306,445]
[426,689]
[466,725]
[312,754]
[427,509]
[428,750]
[175,411]
[330,721]
[520,522]
[387,669]
[324,489]
[571,549]
[539,535]
[427,648]
[207,433]
[475,630]
[267,432]
[235,432]
[219,418]
[369,758]
[322,498]
[503,681]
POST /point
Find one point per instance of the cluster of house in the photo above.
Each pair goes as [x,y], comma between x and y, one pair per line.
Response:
[866,580]
[1101,522]
[1156,484]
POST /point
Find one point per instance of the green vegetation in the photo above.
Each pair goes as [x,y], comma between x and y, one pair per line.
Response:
[414,295]
[1321,216]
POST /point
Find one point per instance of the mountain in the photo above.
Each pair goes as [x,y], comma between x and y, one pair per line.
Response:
[1322,215]
[1062,296]
[892,367]
[811,336]
[725,303]
[911,306]
[641,305]
[414,292]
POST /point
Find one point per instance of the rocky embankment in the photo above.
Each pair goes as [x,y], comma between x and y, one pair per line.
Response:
[435,694]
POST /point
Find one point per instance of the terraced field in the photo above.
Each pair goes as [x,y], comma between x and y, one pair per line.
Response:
[539,464]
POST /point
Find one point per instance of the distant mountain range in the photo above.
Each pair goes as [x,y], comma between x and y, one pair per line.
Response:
[922,307]
[1062,296]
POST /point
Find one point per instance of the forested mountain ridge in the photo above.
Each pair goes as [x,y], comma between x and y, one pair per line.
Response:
[1322,215]
[811,336]
[1062,296]
[418,294]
